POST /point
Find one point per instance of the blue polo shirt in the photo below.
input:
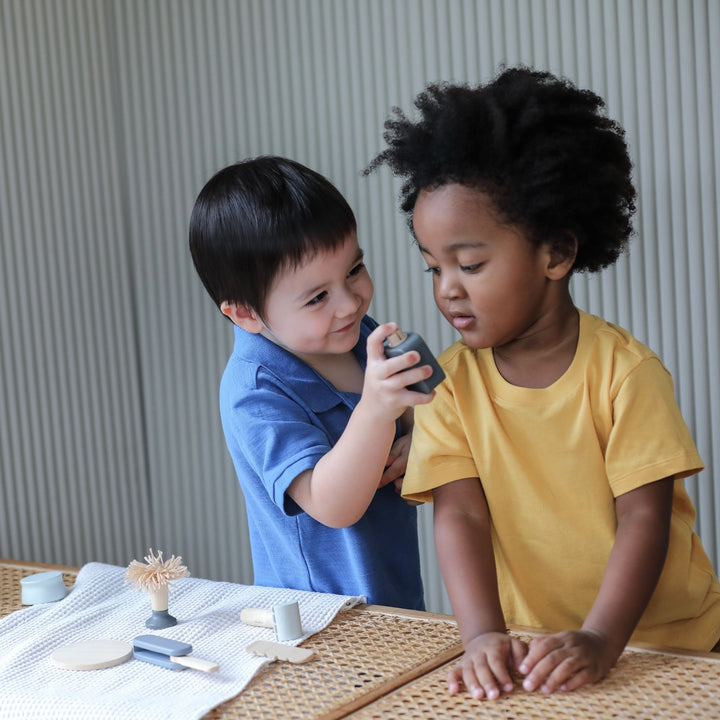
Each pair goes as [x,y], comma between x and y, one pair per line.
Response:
[280,417]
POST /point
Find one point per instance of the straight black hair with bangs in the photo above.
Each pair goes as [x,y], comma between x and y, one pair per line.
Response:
[258,217]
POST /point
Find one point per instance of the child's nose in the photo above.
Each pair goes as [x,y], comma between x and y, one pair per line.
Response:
[449,286]
[348,303]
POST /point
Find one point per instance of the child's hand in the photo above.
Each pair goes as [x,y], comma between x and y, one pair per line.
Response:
[385,390]
[397,461]
[485,667]
[567,660]
[396,466]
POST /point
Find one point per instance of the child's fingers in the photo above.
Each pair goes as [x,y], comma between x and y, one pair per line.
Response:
[393,471]
[584,677]
[385,479]
[403,363]
[480,681]
[478,677]
[396,365]
[375,340]
[538,676]
[465,674]
[501,674]
[518,651]
[563,673]
[540,661]
[401,375]
[538,649]
[454,679]
[404,378]
[419,398]
[398,455]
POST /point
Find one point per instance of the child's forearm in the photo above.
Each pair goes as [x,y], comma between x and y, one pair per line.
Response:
[635,564]
[464,548]
[471,585]
[339,489]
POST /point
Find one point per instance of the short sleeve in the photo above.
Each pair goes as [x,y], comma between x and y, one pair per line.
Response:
[649,439]
[440,452]
[276,437]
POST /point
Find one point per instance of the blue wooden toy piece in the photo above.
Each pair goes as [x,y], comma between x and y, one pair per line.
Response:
[171,654]
[156,659]
[160,619]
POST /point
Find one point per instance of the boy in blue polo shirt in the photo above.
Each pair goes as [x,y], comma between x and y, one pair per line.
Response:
[316,419]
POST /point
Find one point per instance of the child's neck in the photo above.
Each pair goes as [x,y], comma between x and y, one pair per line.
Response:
[343,371]
[540,359]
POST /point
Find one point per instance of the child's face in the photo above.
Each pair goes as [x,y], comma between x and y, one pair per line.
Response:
[316,308]
[489,281]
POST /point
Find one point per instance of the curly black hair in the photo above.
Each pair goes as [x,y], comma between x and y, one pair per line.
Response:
[543,151]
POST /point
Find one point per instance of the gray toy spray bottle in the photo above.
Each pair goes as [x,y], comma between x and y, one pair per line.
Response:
[399,343]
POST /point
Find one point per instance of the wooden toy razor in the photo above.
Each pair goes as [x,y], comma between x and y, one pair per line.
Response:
[171,654]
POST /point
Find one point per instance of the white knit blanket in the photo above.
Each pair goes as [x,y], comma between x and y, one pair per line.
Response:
[101,606]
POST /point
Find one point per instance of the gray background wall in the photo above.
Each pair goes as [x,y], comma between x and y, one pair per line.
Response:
[115,113]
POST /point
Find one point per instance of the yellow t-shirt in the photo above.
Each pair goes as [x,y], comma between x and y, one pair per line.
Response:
[552,460]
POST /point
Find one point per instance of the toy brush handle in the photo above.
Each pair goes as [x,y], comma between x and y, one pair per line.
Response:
[260,617]
[195,663]
[284,618]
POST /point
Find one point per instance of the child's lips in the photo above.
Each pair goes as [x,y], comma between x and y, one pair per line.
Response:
[462,322]
[346,328]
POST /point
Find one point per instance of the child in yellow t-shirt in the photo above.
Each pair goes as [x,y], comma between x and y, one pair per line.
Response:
[554,452]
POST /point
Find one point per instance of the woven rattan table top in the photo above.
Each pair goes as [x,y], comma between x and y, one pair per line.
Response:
[644,685]
[377,663]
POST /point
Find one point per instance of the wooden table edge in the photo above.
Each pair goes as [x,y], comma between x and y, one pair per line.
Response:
[38,567]
[402,612]
[399,681]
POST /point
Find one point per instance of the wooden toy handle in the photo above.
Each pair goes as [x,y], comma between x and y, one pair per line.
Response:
[195,663]
[260,617]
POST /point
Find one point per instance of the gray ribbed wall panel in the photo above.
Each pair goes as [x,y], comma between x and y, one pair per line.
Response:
[114,113]
[74,478]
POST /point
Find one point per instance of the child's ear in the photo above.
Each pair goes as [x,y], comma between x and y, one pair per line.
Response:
[243,316]
[561,257]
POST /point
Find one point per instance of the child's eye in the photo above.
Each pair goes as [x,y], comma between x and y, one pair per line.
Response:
[432,270]
[471,268]
[358,268]
[318,298]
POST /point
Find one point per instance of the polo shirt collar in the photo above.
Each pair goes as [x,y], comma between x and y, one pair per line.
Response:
[319,394]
